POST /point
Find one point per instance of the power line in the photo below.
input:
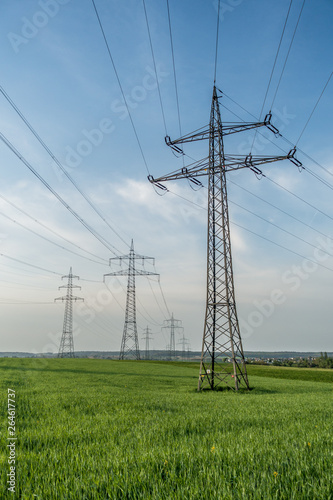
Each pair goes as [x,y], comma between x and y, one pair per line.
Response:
[255,233]
[240,106]
[174,69]
[30,265]
[273,68]
[276,57]
[155,69]
[25,284]
[281,246]
[308,156]
[31,274]
[157,302]
[151,320]
[48,228]
[287,56]
[138,310]
[4,301]
[283,138]
[307,169]
[59,198]
[217,39]
[299,198]
[163,296]
[320,179]
[58,163]
[277,226]
[279,209]
[120,86]
[315,106]
[50,241]
[265,220]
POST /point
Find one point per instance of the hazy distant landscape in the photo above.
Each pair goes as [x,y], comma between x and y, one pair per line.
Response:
[191,355]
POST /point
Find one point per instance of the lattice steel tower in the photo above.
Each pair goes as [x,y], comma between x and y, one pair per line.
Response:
[172,324]
[184,342]
[221,337]
[130,343]
[66,348]
[147,337]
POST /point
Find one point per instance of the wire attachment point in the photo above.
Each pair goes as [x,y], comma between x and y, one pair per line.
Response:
[157,185]
[191,179]
[175,148]
[268,124]
[295,161]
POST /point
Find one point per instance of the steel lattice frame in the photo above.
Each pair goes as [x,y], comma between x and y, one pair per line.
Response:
[147,338]
[221,337]
[130,343]
[172,324]
[66,348]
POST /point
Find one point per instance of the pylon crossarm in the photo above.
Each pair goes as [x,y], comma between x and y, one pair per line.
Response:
[72,286]
[72,276]
[188,172]
[184,172]
[233,128]
[249,161]
[227,129]
[134,257]
[231,163]
[70,298]
[126,272]
[146,273]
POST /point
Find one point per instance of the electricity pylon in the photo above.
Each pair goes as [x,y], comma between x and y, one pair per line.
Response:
[221,337]
[172,324]
[147,337]
[130,343]
[66,348]
[183,341]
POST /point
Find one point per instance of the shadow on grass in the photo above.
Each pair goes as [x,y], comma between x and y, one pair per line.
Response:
[242,391]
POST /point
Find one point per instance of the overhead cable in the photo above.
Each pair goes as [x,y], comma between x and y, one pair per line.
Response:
[48,228]
[174,69]
[120,85]
[277,208]
[217,39]
[155,69]
[58,163]
[315,106]
[275,60]
[50,241]
[59,198]
[257,234]
[287,56]
[30,265]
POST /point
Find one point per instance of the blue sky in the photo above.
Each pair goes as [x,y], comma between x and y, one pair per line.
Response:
[57,71]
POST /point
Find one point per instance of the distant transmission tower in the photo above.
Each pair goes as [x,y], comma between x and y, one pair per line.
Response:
[130,343]
[221,337]
[172,324]
[184,342]
[147,337]
[66,348]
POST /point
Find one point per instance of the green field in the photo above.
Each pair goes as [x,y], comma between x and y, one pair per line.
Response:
[99,429]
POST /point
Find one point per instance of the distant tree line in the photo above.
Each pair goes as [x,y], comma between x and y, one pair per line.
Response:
[323,361]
